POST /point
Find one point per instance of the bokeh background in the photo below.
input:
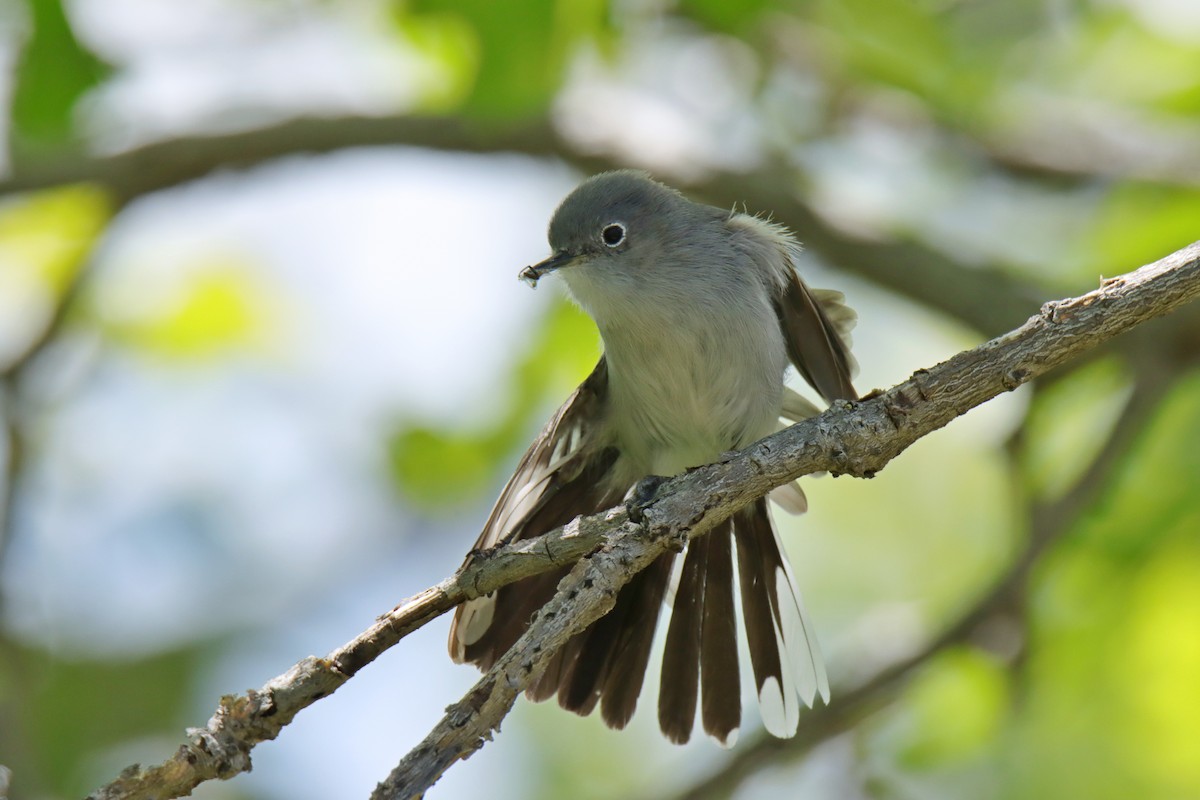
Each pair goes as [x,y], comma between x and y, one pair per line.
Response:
[264,363]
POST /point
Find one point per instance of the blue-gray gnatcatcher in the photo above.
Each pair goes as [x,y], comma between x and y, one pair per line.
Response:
[701,311]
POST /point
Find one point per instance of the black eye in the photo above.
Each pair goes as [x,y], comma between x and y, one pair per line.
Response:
[613,234]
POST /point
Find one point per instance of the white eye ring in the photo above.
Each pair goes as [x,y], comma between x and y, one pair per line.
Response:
[613,234]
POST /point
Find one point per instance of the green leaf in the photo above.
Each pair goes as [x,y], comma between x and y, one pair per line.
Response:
[438,467]
[731,16]
[1114,57]
[54,71]
[1159,707]
[1113,655]
[50,234]
[448,42]
[46,239]
[519,49]
[1154,492]
[905,45]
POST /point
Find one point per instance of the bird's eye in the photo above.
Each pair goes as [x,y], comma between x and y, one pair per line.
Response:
[613,234]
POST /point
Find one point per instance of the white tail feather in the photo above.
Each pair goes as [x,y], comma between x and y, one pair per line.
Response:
[474,619]
[790,497]
[799,636]
[796,406]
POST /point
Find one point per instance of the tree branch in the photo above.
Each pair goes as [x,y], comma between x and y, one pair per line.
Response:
[222,748]
[155,166]
[1048,523]
[851,438]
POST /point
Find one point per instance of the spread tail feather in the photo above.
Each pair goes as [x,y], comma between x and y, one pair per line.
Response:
[784,653]
[701,659]
[604,666]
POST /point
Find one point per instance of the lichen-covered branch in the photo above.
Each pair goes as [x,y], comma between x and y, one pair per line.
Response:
[222,748]
[851,438]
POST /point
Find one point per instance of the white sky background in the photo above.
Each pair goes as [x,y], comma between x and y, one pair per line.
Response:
[248,496]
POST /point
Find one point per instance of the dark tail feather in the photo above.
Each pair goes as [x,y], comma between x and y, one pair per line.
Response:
[628,659]
[561,664]
[760,565]
[720,689]
[515,606]
[623,635]
[680,679]
[516,603]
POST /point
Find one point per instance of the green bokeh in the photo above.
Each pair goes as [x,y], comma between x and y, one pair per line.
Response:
[54,72]
[71,710]
[518,49]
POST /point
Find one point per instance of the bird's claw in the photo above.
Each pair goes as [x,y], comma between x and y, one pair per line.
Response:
[641,496]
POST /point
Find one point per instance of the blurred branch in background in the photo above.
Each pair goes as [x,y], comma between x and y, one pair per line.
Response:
[12,404]
[986,298]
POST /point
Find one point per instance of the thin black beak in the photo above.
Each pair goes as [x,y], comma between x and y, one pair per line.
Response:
[531,275]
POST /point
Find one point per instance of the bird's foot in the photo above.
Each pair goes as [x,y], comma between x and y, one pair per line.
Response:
[641,496]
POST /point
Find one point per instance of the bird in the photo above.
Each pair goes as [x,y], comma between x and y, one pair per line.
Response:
[701,311]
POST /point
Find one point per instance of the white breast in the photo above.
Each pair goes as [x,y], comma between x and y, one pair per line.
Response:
[684,393]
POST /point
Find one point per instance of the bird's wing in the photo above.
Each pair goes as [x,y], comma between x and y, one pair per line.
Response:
[815,323]
[551,461]
[560,474]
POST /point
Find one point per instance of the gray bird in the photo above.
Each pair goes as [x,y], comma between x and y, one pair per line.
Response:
[700,311]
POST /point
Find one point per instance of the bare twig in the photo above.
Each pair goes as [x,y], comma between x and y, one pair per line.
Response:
[851,438]
[222,748]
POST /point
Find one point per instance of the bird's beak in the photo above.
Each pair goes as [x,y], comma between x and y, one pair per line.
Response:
[531,275]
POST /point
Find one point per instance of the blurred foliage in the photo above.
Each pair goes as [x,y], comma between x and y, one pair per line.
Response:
[52,232]
[54,73]
[517,56]
[45,240]
[1069,423]
[63,705]
[1139,222]
[216,307]
[1098,698]
[1154,496]
[1116,57]
[955,709]
[909,46]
